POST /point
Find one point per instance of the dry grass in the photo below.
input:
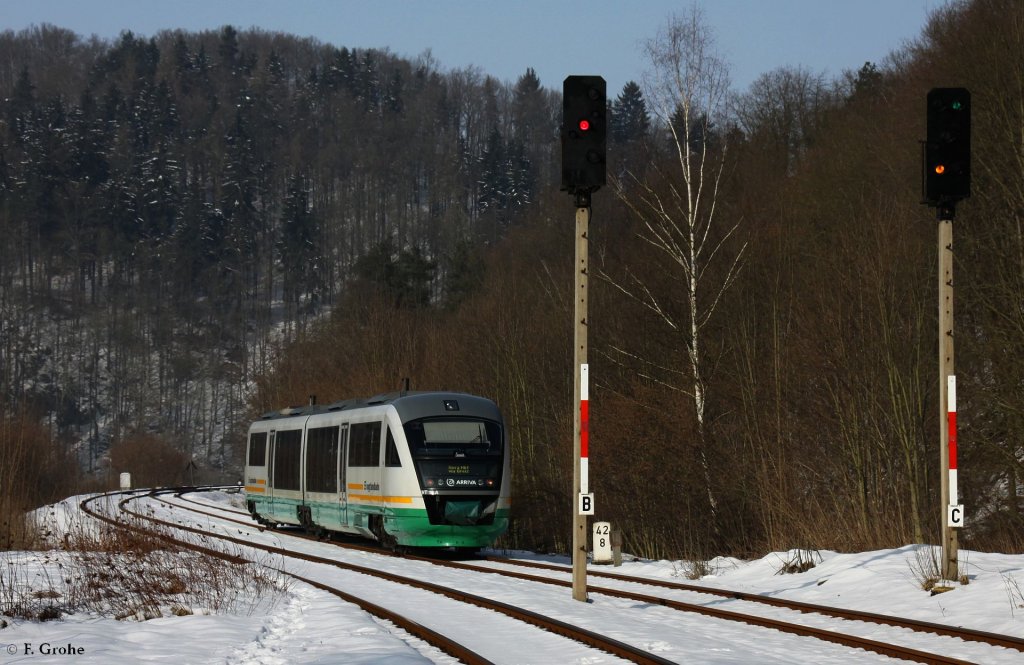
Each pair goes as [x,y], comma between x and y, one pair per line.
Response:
[130,574]
[798,561]
[927,570]
[691,570]
[1014,593]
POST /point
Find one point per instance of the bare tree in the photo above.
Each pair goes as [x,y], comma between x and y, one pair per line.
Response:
[783,110]
[676,203]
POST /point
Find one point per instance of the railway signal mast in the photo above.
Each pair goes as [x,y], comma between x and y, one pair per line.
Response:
[584,132]
[946,180]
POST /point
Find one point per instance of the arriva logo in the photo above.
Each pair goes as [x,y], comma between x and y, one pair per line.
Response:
[464,482]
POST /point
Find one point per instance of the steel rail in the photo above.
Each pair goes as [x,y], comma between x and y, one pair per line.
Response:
[967,634]
[431,637]
[883,648]
[590,638]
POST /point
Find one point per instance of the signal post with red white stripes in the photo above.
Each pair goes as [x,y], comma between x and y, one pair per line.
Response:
[584,140]
[946,180]
[954,512]
[581,425]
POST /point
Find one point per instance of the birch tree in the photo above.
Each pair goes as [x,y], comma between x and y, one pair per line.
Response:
[676,203]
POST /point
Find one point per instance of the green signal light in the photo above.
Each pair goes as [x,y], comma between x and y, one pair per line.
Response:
[957,105]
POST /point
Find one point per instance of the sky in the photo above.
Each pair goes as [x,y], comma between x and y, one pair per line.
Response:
[305,626]
[556,38]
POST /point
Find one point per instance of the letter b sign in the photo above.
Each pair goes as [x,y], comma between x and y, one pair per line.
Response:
[586,506]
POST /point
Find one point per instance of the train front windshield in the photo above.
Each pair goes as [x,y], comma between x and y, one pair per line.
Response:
[467,436]
[456,453]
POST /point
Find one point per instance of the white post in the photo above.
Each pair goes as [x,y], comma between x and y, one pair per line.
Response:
[602,542]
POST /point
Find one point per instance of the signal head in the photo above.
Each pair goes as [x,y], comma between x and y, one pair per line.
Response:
[583,133]
[947,153]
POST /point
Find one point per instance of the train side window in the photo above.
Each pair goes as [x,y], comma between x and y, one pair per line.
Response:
[258,449]
[286,459]
[364,444]
[391,457]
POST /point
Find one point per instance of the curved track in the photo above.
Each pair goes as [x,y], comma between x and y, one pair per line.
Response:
[626,589]
[429,636]
[449,646]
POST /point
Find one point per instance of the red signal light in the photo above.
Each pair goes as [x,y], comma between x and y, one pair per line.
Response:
[940,169]
[583,134]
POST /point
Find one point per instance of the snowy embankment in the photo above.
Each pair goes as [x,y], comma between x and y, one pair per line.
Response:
[290,622]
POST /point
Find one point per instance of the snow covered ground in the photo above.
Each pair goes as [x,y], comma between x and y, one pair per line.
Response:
[305,625]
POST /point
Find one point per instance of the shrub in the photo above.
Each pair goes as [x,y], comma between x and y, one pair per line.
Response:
[132,572]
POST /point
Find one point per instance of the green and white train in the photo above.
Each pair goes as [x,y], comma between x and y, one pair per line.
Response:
[410,469]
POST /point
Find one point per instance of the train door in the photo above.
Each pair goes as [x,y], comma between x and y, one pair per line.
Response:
[274,471]
[322,454]
[342,464]
[271,446]
[303,510]
[256,472]
[365,499]
[287,472]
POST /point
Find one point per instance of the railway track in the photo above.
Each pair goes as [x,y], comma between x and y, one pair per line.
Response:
[626,589]
[429,636]
[966,634]
[446,644]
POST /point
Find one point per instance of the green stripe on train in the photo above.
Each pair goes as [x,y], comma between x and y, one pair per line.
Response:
[410,526]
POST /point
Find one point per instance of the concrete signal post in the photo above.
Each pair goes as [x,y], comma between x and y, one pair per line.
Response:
[946,180]
[584,131]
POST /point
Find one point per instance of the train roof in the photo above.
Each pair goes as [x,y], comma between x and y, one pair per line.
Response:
[410,404]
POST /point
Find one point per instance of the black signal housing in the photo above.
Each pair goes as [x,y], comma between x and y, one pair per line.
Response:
[947,150]
[584,134]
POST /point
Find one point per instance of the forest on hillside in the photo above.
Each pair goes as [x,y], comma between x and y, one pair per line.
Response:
[199,227]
